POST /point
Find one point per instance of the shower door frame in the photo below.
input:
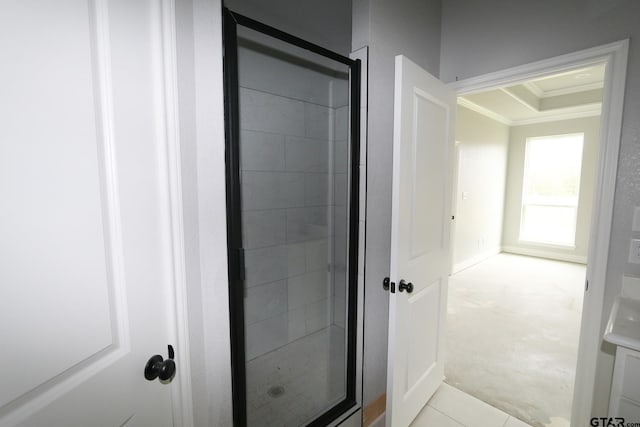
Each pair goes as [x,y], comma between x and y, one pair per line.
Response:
[236,268]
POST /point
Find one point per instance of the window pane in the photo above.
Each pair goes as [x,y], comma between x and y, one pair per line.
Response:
[549,224]
[552,166]
[551,185]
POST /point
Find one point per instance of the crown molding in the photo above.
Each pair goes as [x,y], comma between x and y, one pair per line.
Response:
[464,102]
[574,89]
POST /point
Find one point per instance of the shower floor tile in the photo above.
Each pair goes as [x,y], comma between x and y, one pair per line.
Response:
[311,372]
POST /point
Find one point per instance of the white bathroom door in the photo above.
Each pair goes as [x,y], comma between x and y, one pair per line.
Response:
[85,255]
[423,139]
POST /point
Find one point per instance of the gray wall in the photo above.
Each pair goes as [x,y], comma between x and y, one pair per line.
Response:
[481,37]
[327,22]
[412,28]
[482,150]
[590,126]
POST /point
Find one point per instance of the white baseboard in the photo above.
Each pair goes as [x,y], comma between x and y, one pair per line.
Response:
[474,260]
[541,253]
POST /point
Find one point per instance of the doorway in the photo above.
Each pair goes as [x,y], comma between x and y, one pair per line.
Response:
[515,85]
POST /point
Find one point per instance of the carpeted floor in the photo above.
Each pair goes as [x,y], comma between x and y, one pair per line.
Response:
[513,327]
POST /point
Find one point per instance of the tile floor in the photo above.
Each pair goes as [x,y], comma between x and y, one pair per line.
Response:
[311,372]
[450,407]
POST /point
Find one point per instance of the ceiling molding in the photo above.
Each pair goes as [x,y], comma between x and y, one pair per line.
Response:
[521,100]
[533,88]
[574,89]
[464,102]
[589,110]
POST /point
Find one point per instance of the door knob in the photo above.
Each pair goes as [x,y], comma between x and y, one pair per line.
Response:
[157,367]
[404,286]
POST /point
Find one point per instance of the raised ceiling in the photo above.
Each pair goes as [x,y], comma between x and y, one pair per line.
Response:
[566,95]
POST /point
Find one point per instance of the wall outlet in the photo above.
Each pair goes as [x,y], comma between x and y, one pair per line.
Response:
[634,251]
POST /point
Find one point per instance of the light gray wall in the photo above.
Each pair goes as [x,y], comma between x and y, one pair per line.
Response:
[480,187]
[590,126]
[327,22]
[481,37]
[412,28]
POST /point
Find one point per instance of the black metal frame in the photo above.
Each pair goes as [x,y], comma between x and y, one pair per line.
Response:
[234,227]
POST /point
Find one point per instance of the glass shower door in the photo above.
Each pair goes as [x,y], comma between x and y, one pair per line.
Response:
[291,183]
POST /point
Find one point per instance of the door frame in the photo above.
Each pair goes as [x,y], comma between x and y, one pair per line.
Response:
[614,56]
[171,171]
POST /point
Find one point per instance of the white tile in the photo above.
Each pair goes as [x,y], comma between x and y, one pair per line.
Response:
[265,301]
[340,189]
[340,280]
[261,70]
[340,156]
[340,222]
[317,315]
[307,288]
[317,253]
[342,123]
[296,259]
[316,121]
[430,417]
[265,112]
[306,224]
[466,409]
[260,151]
[316,189]
[272,190]
[514,422]
[306,154]
[339,92]
[297,324]
[266,265]
[339,312]
[265,336]
[263,228]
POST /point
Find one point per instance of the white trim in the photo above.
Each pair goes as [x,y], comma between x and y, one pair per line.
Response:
[524,102]
[579,112]
[534,88]
[181,390]
[548,254]
[589,110]
[537,70]
[464,102]
[614,55]
[573,89]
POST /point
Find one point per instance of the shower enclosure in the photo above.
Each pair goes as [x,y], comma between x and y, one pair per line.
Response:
[292,198]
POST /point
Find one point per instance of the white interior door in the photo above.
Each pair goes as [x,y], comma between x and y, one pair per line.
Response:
[424,110]
[85,259]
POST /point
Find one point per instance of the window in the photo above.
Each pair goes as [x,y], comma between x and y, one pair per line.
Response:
[551,188]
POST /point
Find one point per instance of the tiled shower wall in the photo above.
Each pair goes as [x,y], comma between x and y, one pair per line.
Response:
[294,162]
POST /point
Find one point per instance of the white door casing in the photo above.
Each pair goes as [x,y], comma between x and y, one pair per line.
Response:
[424,110]
[85,234]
